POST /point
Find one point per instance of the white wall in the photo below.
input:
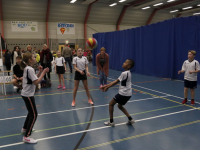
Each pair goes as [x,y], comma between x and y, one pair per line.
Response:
[8,34]
[41,34]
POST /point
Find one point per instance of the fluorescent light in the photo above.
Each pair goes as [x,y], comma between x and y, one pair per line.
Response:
[146,7]
[187,8]
[173,11]
[122,1]
[196,14]
[113,4]
[158,4]
[198,5]
[170,1]
[72,1]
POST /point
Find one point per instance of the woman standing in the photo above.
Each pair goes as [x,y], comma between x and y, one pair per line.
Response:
[15,53]
[7,61]
[45,60]
[102,62]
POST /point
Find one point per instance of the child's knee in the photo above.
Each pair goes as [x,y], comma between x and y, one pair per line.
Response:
[120,106]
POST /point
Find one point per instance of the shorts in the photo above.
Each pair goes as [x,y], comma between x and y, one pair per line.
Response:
[190,84]
[79,76]
[120,99]
[60,69]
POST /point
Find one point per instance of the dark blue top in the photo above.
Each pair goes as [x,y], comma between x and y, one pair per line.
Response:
[7,58]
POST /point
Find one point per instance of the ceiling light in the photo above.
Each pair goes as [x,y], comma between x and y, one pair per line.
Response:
[122,1]
[173,11]
[146,7]
[72,1]
[170,0]
[187,8]
[158,4]
[113,4]
[198,5]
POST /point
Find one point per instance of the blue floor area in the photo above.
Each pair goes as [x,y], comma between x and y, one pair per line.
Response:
[162,122]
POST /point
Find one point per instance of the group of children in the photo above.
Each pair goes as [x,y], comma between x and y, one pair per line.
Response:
[30,80]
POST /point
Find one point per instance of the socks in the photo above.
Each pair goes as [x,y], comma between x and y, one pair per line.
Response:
[111,120]
[130,118]
[186,99]
[192,99]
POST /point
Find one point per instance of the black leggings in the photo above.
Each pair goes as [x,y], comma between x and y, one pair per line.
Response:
[32,115]
[8,67]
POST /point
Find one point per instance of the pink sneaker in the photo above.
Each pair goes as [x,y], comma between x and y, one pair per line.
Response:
[101,85]
[90,101]
[60,86]
[73,103]
[63,87]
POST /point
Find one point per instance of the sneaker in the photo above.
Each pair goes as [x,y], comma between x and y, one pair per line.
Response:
[130,122]
[109,124]
[184,101]
[23,131]
[105,84]
[101,85]
[60,86]
[63,87]
[90,101]
[192,102]
[73,103]
[29,140]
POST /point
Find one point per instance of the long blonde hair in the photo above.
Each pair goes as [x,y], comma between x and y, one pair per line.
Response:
[25,60]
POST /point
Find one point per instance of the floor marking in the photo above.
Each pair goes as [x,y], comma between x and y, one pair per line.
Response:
[94,129]
[74,109]
[140,135]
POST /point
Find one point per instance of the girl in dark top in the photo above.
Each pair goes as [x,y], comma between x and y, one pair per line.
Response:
[7,61]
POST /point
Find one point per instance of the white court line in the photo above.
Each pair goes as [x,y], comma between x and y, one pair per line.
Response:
[77,109]
[152,90]
[94,129]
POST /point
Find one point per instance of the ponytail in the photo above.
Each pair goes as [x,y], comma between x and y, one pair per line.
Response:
[25,60]
[23,65]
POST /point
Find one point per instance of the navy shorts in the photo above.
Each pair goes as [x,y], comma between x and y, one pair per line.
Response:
[190,84]
[120,99]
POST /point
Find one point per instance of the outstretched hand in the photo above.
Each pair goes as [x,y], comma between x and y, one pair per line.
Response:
[104,88]
[46,70]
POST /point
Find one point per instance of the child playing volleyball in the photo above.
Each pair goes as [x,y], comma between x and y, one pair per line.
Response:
[30,80]
[80,65]
[60,69]
[191,68]
[125,92]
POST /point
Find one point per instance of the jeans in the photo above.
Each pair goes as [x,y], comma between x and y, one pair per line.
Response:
[103,78]
[68,59]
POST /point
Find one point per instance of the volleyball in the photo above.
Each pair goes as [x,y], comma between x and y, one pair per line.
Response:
[91,43]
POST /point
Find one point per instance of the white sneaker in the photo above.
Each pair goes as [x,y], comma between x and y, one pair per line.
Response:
[24,130]
[109,124]
[29,140]
[130,122]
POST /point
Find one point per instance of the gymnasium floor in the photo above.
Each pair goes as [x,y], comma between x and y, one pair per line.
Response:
[162,122]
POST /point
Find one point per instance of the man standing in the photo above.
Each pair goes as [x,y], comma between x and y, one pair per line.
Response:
[67,53]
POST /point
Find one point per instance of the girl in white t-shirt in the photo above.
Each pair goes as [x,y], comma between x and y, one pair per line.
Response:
[30,80]
[60,69]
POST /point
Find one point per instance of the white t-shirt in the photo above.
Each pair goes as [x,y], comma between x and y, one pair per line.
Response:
[80,62]
[60,61]
[190,66]
[125,83]
[28,78]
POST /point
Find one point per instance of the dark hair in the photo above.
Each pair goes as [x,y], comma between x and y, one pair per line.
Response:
[131,63]
[19,57]
[6,51]
[16,48]
[25,59]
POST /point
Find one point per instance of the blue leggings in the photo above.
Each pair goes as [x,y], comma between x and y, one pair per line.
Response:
[103,78]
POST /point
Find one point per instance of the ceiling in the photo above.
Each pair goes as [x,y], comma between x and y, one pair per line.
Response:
[101,12]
